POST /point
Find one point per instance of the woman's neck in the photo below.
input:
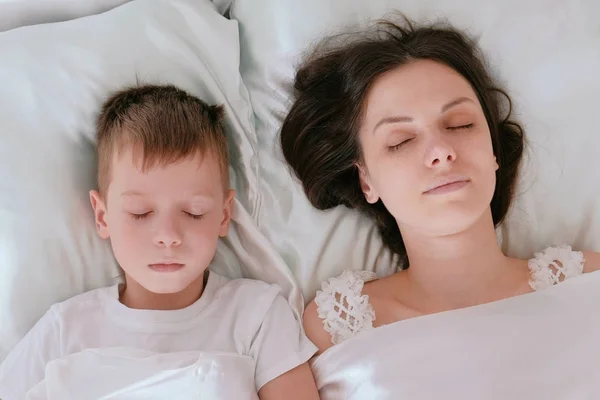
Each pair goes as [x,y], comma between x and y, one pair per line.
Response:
[462,269]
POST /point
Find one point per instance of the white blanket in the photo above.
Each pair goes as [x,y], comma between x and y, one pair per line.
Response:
[125,373]
[543,345]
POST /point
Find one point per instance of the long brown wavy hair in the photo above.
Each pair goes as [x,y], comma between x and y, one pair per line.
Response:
[319,136]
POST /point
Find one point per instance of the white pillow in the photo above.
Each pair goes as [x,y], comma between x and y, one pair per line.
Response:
[54,79]
[546,53]
[16,13]
[223,5]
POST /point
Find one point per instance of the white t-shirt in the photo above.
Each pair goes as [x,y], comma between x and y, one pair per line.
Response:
[241,316]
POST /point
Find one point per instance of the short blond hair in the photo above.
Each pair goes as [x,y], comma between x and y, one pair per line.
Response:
[165,123]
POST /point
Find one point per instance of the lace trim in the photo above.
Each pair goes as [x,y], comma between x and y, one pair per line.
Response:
[554,265]
[344,311]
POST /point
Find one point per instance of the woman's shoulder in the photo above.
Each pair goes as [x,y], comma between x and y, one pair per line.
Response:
[592,261]
[555,264]
[340,310]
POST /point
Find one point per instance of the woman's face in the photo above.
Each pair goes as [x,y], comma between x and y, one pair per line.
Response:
[427,150]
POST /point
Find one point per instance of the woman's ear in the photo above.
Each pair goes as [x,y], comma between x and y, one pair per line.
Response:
[367,188]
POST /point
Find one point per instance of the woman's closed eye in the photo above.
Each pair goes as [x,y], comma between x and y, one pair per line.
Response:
[459,127]
[399,145]
[450,128]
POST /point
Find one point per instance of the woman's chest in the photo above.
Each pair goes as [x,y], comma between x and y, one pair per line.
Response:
[541,345]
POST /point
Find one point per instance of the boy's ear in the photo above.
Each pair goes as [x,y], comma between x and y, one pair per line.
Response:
[99,214]
[227,210]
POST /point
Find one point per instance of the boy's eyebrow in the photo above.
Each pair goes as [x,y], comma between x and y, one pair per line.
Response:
[131,193]
[202,198]
[199,196]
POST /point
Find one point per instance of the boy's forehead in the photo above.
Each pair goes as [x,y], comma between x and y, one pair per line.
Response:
[131,171]
[135,161]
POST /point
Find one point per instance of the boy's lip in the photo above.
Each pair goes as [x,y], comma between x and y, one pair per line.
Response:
[166,266]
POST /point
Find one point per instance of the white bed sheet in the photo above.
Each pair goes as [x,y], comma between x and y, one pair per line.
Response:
[127,373]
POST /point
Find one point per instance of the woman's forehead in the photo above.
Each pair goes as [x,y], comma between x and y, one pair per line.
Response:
[418,82]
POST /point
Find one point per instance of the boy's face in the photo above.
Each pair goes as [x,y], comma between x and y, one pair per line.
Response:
[164,224]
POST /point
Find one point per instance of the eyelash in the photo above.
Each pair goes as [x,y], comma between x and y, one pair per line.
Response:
[140,216]
[456,128]
[145,215]
[396,147]
[450,128]
[195,216]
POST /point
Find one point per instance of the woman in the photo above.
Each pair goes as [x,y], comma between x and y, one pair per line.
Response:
[406,125]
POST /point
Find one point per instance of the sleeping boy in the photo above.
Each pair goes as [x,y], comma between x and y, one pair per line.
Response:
[163,200]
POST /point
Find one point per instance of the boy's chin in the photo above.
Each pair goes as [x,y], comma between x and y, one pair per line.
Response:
[169,283]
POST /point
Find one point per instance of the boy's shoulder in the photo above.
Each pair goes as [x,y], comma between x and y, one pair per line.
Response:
[246,301]
[244,284]
[245,290]
[85,302]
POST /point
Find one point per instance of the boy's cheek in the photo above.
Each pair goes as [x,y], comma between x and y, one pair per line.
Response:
[125,232]
[128,245]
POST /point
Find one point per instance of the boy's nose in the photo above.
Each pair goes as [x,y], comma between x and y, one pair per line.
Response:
[167,235]
[169,242]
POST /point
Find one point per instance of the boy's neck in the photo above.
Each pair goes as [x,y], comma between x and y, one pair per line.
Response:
[136,296]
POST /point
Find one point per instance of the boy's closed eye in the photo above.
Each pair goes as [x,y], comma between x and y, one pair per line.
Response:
[144,215]
[140,215]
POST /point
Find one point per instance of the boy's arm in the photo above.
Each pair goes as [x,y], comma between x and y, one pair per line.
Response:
[25,366]
[281,351]
[297,384]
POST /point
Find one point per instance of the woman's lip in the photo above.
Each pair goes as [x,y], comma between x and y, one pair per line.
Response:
[448,187]
[166,267]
